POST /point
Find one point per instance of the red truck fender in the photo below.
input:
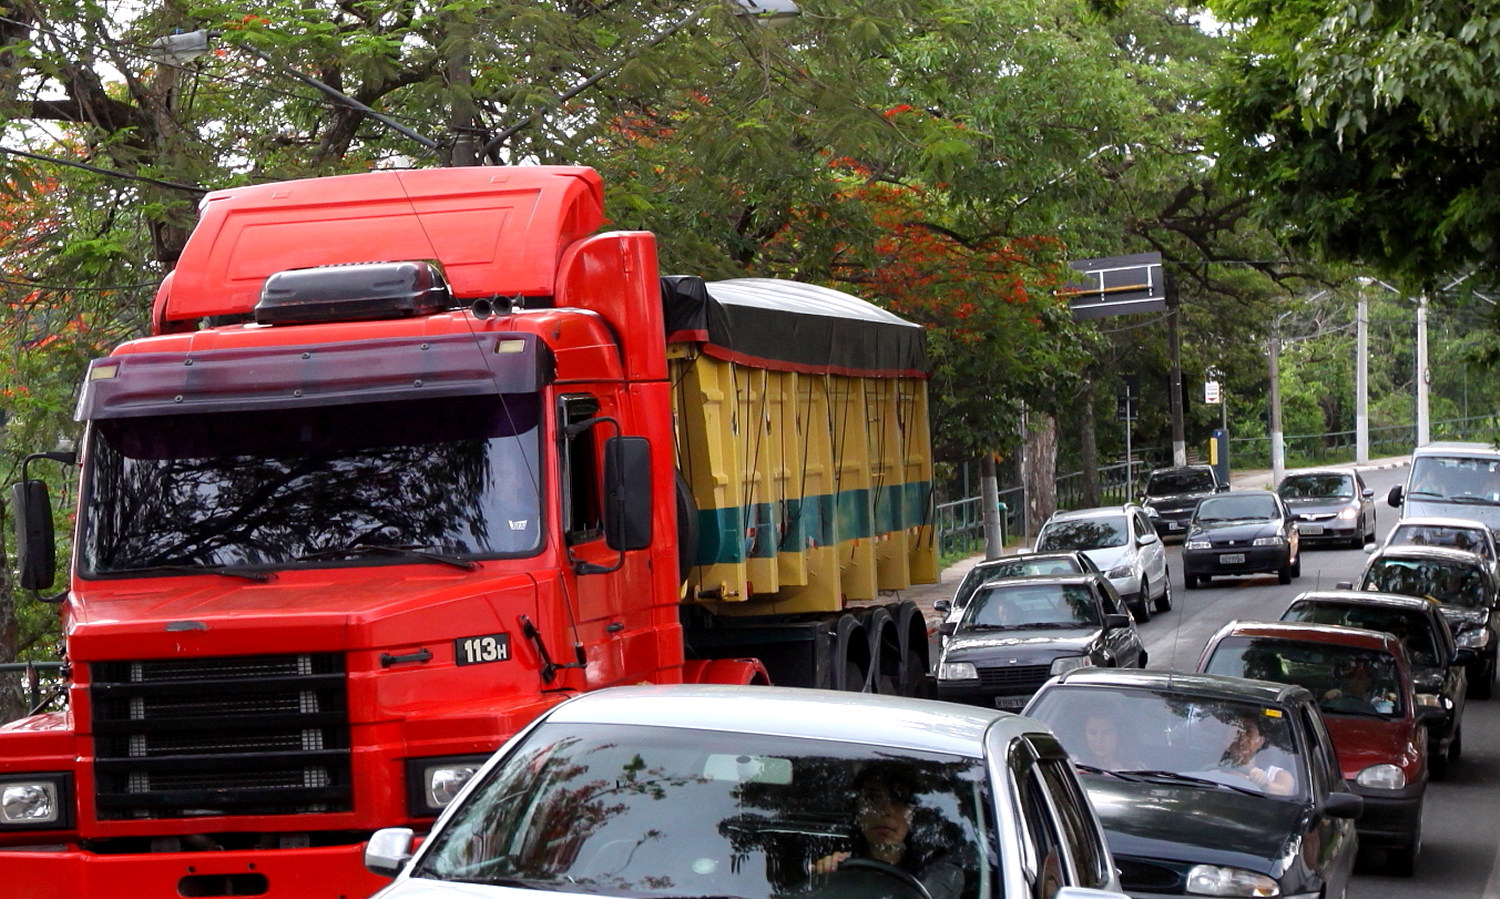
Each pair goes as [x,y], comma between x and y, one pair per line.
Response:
[725,671]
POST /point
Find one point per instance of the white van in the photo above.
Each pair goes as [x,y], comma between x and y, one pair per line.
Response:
[1452,480]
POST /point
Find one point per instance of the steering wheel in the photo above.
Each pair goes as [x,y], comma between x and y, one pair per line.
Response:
[870,864]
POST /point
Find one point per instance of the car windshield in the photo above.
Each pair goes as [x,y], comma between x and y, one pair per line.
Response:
[1466,539]
[1020,566]
[1188,480]
[1032,606]
[1454,583]
[1317,486]
[314,486]
[1413,629]
[1455,479]
[651,812]
[1177,737]
[1252,507]
[1083,533]
[1346,680]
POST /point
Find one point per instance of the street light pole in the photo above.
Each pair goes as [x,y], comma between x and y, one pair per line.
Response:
[1278,449]
[1362,380]
[1424,377]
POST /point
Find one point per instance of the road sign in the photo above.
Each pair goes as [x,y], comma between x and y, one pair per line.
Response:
[1127,408]
[1117,285]
[1211,392]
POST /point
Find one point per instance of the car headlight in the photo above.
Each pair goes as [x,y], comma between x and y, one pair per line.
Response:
[1197,544]
[1431,699]
[1214,880]
[957,671]
[433,783]
[35,801]
[1124,569]
[1069,663]
[1348,513]
[1269,541]
[1475,638]
[1382,777]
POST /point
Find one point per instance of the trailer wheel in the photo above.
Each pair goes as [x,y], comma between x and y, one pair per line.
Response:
[851,655]
[687,529]
[911,628]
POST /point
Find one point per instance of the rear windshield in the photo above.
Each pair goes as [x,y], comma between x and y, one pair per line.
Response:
[1454,583]
[1083,533]
[1346,680]
[1188,480]
[1466,539]
[1413,629]
[1021,566]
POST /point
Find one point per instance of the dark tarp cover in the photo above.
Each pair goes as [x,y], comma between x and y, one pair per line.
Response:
[792,326]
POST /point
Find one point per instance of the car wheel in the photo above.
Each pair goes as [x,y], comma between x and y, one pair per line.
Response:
[1190,580]
[1142,609]
[1483,686]
[1401,861]
[1164,601]
[1297,565]
[1440,764]
[1284,573]
[1456,747]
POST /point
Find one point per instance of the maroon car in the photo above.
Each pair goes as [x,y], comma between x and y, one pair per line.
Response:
[1362,681]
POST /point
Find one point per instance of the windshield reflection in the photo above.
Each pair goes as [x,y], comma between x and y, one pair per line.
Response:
[1017,607]
[458,476]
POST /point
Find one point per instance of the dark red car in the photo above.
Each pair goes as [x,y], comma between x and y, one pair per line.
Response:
[1362,681]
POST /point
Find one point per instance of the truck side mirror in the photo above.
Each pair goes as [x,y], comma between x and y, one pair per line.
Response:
[1394,498]
[36,551]
[627,493]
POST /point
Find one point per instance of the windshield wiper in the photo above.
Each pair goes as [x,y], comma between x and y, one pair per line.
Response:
[260,577]
[1091,769]
[1471,500]
[408,552]
[1179,777]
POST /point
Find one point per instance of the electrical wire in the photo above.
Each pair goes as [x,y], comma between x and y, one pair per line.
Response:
[102,171]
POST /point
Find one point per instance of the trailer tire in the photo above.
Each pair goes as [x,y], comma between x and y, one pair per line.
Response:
[886,661]
[851,655]
[911,626]
[687,529]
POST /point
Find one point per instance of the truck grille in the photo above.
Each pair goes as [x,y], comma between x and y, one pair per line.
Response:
[244,735]
[1017,677]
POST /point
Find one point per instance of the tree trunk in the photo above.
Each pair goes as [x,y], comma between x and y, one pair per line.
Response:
[1041,469]
[1088,446]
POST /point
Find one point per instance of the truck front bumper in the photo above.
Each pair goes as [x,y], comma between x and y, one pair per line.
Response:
[66,872]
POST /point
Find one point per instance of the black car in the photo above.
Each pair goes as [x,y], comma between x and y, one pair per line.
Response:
[1022,565]
[1437,664]
[1463,585]
[1171,495]
[1208,785]
[1332,505]
[1014,634]
[1241,532]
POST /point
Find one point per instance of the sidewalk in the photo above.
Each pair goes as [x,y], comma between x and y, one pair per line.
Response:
[924,595]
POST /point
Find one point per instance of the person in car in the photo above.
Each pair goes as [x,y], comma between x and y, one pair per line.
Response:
[1250,756]
[1359,689]
[885,799]
[1101,739]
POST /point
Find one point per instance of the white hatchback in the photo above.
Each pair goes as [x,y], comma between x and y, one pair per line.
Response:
[1122,541]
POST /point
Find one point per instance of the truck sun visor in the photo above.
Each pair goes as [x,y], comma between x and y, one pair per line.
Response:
[365,291]
[228,380]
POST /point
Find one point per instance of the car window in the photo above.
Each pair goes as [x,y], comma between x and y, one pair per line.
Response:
[1020,566]
[1048,873]
[1451,582]
[1021,606]
[652,812]
[1346,680]
[1108,599]
[1142,524]
[1245,507]
[1316,486]
[1181,480]
[1170,733]
[1071,809]
[1322,757]
[1084,533]
[1412,628]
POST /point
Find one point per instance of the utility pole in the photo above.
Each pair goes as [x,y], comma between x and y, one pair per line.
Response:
[1278,450]
[1362,379]
[1424,375]
[1174,342]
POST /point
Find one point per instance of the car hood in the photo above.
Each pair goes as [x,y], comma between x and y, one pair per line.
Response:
[1107,557]
[1362,742]
[1233,530]
[1315,505]
[1195,824]
[1020,645]
[1428,507]
[1176,500]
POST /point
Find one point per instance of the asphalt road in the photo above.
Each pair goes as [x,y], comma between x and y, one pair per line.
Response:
[1460,826]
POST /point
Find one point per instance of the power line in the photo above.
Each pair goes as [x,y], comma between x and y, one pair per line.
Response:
[101,171]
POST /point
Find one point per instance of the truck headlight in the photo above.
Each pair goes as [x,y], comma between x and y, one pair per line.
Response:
[433,783]
[1269,541]
[957,671]
[1382,777]
[1068,663]
[35,801]
[1215,880]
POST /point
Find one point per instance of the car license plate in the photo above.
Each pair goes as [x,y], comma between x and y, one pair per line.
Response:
[1009,702]
[1174,525]
[1232,559]
[1311,530]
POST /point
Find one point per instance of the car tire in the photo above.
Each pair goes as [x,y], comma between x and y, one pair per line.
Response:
[1164,601]
[1439,765]
[1142,609]
[1190,580]
[1483,686]
[1297,565]
[1284,573]
[1401,861]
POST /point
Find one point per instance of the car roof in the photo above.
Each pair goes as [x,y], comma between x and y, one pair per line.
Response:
[1456,448]
[1319,471]
[1311,633]
[1241,493]
[798,712]
[1182,468]
[1075,577]
[1425,551]
[1097,512]
[1072,554]
[1210,686]
[1369,598]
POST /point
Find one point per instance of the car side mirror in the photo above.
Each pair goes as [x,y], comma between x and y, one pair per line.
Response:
[1344,585]
[947,628]
[1394,498]
[1369,548]
[1113,622]
[943,606]
[1146,539]
[1431,715]
[1343,805]
[1367,493]
[388,851]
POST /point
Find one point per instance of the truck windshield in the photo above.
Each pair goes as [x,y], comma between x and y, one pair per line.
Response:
[1455,479]
[458,476]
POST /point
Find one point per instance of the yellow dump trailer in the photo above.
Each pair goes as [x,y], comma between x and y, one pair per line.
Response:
[803,444]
